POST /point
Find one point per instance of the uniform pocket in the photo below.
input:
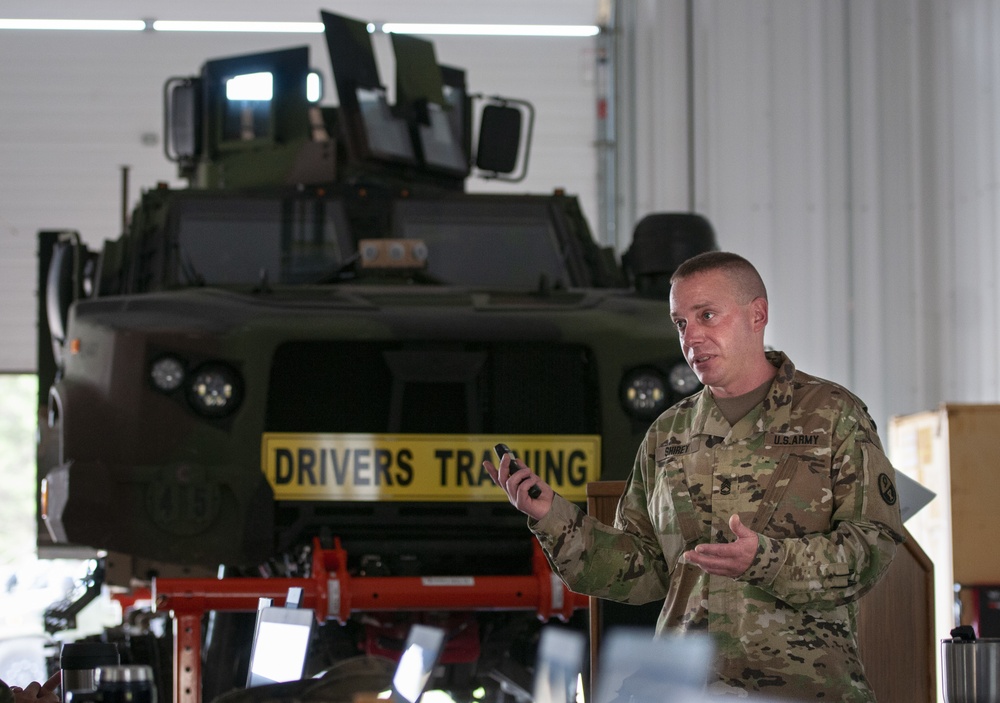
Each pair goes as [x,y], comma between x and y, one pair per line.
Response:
[776,488]
[798,500]
[673,507]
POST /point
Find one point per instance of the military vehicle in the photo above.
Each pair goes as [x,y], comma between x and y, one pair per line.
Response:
[325,334]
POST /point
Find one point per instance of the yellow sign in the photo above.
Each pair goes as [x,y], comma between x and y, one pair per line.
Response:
[418,467]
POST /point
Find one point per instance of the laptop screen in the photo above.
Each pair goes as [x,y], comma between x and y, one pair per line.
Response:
[636,668]
[280,645]
[558,665]
[416,664]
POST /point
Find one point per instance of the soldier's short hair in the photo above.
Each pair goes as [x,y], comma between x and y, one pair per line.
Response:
[748,282]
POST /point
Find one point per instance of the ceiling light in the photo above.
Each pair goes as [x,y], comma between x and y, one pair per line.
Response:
[108,25]
[210,26]
[497,30]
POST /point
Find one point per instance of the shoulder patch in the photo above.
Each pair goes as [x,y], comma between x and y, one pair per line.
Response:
[886,489]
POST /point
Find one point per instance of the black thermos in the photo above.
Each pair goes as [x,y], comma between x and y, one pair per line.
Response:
[79,662]
[128,683]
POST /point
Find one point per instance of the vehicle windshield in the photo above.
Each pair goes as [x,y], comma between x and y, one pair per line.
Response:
[479,242]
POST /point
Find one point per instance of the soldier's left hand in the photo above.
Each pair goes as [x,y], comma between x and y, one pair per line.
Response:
[727,559]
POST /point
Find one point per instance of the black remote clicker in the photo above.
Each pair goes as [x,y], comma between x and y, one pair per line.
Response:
[513,466]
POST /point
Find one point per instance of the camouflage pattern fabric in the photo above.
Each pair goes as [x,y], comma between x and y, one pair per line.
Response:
[805,469]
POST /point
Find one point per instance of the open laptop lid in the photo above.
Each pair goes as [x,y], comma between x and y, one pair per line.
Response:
[558,665]
[416,664]
[280,642]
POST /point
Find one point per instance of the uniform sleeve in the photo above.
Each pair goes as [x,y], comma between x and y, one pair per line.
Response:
[840,566]
[622,563]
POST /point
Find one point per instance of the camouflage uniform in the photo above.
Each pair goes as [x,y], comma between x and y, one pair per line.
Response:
[806,470]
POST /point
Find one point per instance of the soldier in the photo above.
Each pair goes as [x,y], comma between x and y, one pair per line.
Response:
[760,508]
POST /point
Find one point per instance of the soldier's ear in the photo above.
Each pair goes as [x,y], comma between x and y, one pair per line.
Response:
[758,310]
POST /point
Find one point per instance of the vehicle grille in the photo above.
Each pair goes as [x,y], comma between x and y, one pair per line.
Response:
[523,388]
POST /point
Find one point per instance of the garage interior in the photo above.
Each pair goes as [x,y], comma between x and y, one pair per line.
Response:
[848,148]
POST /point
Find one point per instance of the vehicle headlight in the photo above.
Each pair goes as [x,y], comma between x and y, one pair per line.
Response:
[683,380]
[644,393]
[167,373]
[215,390]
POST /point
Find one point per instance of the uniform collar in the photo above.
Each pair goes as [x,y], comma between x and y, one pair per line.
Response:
[774,412]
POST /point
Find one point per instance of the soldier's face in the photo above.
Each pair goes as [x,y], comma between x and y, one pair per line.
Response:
[721,337]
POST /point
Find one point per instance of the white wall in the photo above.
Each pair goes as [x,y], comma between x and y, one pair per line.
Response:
[851,149]
[965,186]
[652,88]
[75,106]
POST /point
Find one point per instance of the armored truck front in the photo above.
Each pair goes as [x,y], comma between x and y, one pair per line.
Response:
[258,370]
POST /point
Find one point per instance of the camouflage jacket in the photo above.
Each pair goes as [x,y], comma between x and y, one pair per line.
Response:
[805,469]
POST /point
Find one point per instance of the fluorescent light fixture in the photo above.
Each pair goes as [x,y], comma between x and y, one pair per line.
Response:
[107,25]
[250,86]
[495,30]
[211,26]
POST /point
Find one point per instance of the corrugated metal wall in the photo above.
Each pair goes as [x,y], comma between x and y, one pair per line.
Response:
[804,161]
[966,190]
[75,106]
[850,149]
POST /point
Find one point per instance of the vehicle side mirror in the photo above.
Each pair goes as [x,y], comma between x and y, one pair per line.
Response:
[63,286]
[59,290]
[500,145]
[181,120]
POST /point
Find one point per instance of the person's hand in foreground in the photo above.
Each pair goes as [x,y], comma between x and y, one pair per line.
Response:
[36,692]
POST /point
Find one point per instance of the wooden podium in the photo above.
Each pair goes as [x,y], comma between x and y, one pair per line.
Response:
[896,618]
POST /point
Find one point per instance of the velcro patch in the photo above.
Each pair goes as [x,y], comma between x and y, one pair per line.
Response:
[887,490]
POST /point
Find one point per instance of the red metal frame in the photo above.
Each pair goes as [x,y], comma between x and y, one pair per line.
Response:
[333,594]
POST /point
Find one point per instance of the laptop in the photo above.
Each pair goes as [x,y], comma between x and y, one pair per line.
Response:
[416,664]
[558,665]
[281,644]
[280,641]
[635,667]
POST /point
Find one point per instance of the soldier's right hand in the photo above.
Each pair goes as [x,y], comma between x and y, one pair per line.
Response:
[516,485]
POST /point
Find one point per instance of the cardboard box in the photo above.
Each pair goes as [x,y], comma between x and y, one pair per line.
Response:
[953,452]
